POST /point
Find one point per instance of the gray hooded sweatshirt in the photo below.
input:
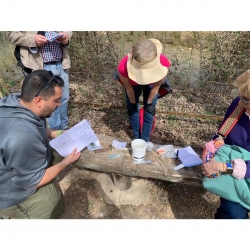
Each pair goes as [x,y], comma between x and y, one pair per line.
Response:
[24,151]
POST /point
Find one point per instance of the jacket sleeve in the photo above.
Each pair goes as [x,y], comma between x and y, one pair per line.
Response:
[21,39]
[70,33]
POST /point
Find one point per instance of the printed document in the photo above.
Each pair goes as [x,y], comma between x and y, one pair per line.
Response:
[78,137]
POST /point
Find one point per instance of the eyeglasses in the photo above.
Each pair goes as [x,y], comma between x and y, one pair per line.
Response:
[244,100]
[47,84]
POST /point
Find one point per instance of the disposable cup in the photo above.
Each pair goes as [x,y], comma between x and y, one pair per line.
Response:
[138,147]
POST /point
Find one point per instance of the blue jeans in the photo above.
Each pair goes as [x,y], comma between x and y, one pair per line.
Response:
[148,118]
[59,118]
[231,210]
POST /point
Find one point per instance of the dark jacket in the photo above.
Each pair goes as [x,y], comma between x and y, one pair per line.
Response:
[24,151]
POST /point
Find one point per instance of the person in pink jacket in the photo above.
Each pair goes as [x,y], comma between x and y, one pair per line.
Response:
[143,71]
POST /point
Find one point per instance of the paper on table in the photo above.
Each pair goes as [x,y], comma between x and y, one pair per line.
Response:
[188,157]
[178,167]
[94,145]
[78,137]
[117,144]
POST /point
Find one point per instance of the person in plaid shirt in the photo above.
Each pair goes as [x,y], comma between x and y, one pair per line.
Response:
[47,50]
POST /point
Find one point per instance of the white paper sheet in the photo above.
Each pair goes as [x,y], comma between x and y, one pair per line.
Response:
[78,137]
[55,37]
[180,166]
[117,144]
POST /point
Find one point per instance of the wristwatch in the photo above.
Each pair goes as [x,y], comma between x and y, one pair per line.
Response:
[230,169]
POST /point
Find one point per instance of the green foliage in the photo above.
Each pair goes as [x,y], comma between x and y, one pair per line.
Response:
[3,89]
[91,52]
[83,92]
[11,82]
[199,59]
[225,55]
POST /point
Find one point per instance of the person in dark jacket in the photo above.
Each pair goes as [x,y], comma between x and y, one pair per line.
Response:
[27,166]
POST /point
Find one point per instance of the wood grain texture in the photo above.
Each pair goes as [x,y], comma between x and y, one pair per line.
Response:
[161,168]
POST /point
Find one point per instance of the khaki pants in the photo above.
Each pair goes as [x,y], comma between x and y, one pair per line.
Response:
[45,203]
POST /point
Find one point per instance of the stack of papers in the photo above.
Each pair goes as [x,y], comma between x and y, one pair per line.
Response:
[188,157]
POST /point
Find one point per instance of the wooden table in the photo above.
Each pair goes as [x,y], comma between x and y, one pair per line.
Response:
[161,168]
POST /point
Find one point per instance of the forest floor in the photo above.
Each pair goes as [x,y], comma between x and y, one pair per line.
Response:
[183,118]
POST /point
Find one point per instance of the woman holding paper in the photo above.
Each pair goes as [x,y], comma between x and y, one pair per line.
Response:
[239,136]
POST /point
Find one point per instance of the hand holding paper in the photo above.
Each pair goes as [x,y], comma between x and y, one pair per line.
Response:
[78,137]
[72,157]
[55,37]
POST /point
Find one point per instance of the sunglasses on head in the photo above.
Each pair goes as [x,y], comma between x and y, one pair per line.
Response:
[244,100]
[53,78]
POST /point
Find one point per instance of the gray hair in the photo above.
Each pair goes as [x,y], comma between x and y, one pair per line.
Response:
[144,51]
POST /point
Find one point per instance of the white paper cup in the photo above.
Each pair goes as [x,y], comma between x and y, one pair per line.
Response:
[138,147]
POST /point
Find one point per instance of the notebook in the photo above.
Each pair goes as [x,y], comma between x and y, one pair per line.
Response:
[188,157]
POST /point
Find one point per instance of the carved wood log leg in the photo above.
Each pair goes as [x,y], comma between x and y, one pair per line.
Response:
[121,182]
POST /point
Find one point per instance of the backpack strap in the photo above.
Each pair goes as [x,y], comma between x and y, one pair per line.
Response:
[229,123]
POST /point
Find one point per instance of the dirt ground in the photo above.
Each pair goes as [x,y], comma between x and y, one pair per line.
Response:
[85,199]
[87,194]
[91,195]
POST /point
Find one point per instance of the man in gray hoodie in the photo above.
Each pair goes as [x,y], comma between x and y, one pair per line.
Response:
[27,166]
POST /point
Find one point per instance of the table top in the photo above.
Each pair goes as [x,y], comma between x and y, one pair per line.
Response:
[161,167]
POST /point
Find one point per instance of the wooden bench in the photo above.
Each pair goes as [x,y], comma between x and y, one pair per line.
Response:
[122,168]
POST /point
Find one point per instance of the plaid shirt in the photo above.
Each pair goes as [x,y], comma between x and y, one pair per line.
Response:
[51,51]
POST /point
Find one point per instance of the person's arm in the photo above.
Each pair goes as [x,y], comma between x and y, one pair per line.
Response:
[70,34]
[53,171]
[26,154]
[65,39]
[213,167]
[241,169]
[129,88]
[154,90]
[150,107]
[26,39]
[53,133]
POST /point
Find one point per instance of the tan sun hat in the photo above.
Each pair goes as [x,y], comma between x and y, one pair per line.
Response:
[149,72]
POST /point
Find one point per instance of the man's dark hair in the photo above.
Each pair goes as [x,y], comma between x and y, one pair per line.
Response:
[34,83]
